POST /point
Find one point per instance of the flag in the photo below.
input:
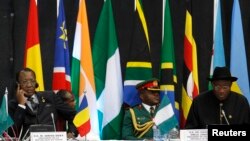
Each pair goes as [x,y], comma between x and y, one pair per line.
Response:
[168,70]
[139,66]
[190,87]
[82,119]
[32,57]
[61,72]
[238,61]
[107,72]
[165,118]
[218,56]
[5,120]
[82,76]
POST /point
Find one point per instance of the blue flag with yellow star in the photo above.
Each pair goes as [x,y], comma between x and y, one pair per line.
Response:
[61,72]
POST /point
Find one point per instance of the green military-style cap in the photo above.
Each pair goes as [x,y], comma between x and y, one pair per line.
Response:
[150,84]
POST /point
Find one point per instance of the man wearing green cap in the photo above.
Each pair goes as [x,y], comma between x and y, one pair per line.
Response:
[138,120]
[220,105]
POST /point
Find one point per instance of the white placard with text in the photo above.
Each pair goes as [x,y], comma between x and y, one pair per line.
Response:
[193,135]
[48,136]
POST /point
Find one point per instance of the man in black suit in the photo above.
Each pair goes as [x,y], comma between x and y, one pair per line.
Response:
[219,105]
[31,107]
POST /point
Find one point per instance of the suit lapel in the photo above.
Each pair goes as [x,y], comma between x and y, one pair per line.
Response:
[145,112]
[29,110]
[41,102]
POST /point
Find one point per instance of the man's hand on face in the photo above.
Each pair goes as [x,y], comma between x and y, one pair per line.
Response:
[20,95]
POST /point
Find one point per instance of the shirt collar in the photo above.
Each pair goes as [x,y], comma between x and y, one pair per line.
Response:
[147,107]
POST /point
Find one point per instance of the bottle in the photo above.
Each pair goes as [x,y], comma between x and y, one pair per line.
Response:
[173,134]
[157,134]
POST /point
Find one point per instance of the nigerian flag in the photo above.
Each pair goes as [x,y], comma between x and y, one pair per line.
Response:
[5,120]
[165,118]
[107,73]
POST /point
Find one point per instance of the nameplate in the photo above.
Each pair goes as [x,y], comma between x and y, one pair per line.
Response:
[48,136]
[193,135]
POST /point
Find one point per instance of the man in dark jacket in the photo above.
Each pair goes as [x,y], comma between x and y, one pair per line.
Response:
[220,105]
[31,107]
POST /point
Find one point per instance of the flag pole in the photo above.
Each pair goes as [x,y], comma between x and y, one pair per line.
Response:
[6,102]
[6,99]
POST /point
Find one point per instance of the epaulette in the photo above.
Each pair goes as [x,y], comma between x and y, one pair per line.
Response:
[126,106]
[139,106]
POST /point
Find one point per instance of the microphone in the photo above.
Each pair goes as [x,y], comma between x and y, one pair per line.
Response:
[19,137]
[53,120]
[26,133]
[225,117]
[221,104]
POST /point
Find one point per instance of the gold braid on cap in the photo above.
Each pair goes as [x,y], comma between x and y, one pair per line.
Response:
[140,129]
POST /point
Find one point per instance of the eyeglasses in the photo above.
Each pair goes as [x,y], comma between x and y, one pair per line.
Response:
[218,87]
[26,82]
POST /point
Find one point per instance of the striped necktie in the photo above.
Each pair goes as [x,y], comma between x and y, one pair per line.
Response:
[33,104]
[152,111]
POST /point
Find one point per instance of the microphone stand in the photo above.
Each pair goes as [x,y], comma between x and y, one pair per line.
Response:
[53,120]
[225,117]
[221,104]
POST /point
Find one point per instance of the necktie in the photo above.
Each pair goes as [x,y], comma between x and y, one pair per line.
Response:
[152,111]
[33,104]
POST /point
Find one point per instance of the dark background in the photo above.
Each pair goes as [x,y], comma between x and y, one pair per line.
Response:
[13,20]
